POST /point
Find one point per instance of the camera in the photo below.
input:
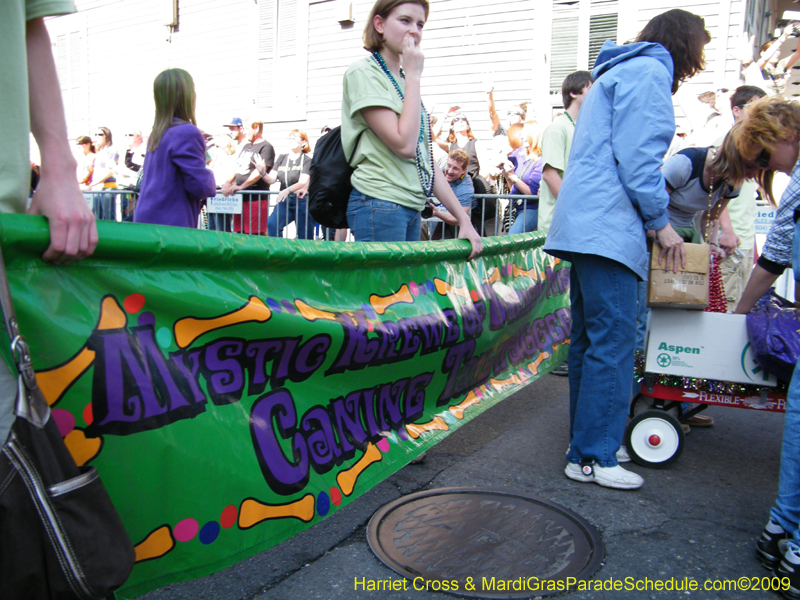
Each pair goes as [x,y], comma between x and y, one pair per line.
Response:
[427,212]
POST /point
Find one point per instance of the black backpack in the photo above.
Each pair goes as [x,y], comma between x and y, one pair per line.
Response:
[329,188]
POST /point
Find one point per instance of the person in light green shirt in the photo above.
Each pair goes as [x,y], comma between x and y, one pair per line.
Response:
[386,131]
[30,101]
[557,142]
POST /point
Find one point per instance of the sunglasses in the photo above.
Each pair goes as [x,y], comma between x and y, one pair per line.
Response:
[98,135]
[762,160]
[459,119]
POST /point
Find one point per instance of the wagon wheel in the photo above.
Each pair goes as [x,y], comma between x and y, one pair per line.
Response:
[654,439]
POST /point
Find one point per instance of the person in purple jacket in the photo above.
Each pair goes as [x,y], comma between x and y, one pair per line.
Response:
[175,179]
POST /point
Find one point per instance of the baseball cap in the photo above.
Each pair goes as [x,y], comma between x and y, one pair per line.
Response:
[235,122]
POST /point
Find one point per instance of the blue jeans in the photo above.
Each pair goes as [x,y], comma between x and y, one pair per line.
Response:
[373,220]
[787,506]
[104,208]
[603,296]
[220,222]
[288,211]
[526,217]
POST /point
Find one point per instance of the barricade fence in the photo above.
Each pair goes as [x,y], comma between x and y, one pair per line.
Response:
[258,212]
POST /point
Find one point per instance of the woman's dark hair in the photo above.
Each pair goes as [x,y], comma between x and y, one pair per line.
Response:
[684,36]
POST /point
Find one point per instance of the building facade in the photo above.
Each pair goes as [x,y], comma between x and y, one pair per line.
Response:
[282,61]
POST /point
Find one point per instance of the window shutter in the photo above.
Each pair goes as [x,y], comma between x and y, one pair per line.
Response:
[601,28]
[564,42]
[267,14]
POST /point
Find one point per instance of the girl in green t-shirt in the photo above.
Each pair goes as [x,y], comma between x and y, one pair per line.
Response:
[394,168]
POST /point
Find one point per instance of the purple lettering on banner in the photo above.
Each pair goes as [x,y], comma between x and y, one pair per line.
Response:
[540,334]
[284,476]
[191,376]
[415,396]
[431,327]
[357,349]
[258,351]
[324,451]
[347,417]
[390,396]
[452,329]
[310,357]
[453,360]
[557,334]
[565,316]
[134,388]
[223,371]
[497,313]
[472,317]
[411,340]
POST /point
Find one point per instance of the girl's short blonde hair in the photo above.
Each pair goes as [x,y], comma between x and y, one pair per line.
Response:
[373,41]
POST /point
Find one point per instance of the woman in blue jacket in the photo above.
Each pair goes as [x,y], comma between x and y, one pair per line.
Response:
[613,195]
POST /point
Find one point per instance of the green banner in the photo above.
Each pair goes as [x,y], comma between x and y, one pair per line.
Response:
[233,390]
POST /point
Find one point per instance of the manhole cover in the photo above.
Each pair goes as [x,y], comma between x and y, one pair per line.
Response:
[492,544]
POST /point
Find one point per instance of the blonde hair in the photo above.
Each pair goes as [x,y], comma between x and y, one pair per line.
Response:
[515,136]
[533,131]
[373,41]
[767,123]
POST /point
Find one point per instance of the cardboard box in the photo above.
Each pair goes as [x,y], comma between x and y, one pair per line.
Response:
[688,288]
[702,345]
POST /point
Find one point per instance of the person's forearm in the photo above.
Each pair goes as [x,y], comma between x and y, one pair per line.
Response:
[48,123]
[759,283]
[522,187]
[301,183]
[493,112]
[443,191]
[445,217]
[254,176]
[408,123]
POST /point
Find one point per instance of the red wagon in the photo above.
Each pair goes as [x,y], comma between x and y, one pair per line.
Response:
[654,436]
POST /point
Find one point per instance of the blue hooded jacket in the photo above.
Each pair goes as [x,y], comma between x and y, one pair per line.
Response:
[613,188]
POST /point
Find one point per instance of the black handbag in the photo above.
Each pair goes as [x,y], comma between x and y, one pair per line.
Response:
[60,536]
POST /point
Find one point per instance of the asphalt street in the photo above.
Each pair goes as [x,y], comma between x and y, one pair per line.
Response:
[696,520]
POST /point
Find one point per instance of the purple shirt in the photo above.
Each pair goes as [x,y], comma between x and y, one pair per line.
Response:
[529,171]
[175,179]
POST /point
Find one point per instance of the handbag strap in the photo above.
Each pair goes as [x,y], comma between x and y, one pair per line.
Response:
[31,404]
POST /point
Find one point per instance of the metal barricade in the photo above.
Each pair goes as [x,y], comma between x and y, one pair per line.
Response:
[259,213]
[111,204]
[492,216]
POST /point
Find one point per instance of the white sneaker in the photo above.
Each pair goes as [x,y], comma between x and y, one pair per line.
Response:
[610,477]
[622,454]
